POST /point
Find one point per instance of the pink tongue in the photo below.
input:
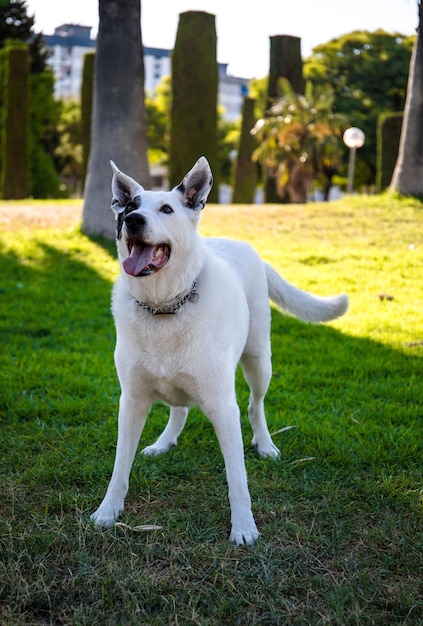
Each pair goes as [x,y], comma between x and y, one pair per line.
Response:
[140,258]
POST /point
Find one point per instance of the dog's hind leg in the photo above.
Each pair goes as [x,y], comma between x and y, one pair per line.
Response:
[256,363]
[169,437]
[257,372]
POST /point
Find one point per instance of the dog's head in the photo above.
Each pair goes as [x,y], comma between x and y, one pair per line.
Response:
[150,224]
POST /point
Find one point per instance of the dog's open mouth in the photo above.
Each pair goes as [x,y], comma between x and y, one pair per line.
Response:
[144,259]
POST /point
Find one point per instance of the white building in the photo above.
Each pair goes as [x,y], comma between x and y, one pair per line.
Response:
[67,47]
[71,42]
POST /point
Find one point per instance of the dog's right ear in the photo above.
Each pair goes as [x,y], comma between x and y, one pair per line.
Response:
[124,189]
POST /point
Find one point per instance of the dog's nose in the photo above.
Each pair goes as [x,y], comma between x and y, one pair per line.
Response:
[134,221]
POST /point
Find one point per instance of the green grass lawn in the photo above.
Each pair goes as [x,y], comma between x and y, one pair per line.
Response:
[340,513]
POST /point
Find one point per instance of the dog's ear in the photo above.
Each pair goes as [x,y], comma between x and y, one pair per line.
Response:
[124,189]
[196,185]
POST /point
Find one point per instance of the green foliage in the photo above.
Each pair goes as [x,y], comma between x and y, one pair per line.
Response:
[87,89]
[246,169]
[228,133]
[340,511]
[158,109]
[300,138]
[44,139]
[388,138]
[257,90]
[15,166]
[69,153]
[368,72]
[194,97]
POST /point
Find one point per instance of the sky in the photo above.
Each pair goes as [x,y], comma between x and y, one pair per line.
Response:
[244,26]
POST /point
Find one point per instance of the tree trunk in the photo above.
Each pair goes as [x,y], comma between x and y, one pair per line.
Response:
[246,168]
[119,130]
[407,178]
[297,184]
[285,62]
[193,130]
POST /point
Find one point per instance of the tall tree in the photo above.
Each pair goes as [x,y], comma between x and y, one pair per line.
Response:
[119,130]
[15,23]
[407,178]
[285,62]
[194,97]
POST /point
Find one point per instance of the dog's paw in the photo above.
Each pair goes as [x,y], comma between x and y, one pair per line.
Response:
[267,450]
[105,516]
[157,449]
[241,537]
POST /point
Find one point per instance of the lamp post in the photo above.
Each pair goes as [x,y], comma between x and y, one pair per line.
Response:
[353,138]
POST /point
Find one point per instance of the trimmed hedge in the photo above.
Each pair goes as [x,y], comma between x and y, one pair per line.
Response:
[388,137]
[15,149]
[194,97]
[246,169]
[87,91]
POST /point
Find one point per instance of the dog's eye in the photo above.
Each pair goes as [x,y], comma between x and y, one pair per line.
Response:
[166,209]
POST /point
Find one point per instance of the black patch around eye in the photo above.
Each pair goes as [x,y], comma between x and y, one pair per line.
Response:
[132,205]
[120,218]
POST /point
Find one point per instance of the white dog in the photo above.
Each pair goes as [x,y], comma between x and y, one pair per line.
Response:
[187,310]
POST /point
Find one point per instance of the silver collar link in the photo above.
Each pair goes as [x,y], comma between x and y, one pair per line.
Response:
[171,309]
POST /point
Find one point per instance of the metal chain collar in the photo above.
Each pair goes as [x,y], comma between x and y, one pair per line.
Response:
[171,309]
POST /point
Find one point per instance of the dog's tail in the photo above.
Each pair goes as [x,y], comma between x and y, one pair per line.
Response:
[302,304]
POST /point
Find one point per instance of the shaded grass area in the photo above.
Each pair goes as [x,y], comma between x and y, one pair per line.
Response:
[339,512]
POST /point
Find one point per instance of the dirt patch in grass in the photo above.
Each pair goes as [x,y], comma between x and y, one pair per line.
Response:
[39,215]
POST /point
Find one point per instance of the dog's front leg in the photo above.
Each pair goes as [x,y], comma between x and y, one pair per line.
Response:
[226,421]
[132,416]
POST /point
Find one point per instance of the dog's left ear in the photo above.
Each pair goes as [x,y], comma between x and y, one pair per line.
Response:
[196,185]
[124,189]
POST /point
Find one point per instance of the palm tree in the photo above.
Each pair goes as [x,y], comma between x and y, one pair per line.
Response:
[119,130]
[407,178]
[299,139]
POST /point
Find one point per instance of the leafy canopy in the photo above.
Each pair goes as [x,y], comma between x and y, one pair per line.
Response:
[368,72]
[300,138]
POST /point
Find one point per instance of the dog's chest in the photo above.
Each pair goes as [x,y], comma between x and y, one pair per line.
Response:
[172,394]
[177,388]
[163,365]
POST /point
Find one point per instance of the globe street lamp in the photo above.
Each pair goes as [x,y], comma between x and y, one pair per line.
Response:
[353,138]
